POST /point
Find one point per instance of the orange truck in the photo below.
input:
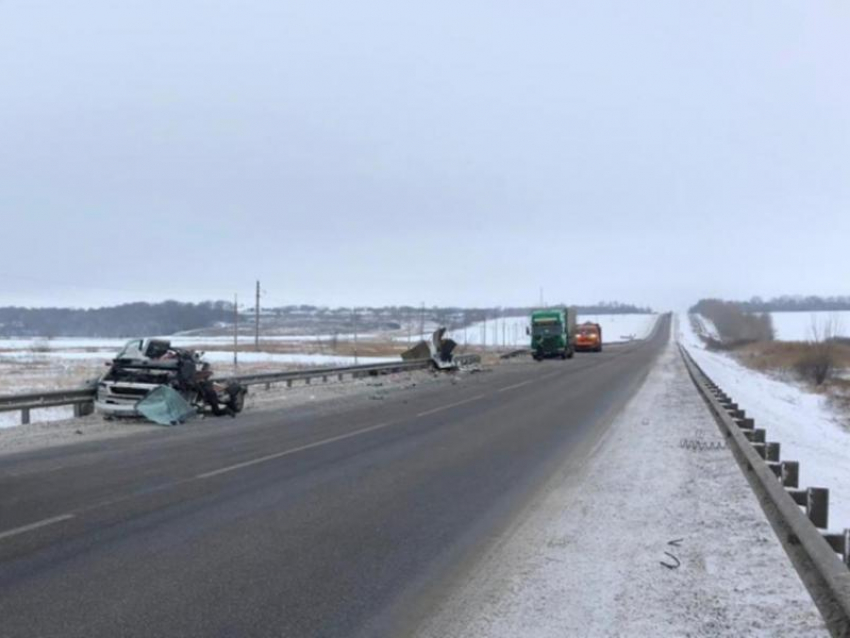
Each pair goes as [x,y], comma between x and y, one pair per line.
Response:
[589,337]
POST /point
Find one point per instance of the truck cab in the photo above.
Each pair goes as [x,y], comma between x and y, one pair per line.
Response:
[552,333]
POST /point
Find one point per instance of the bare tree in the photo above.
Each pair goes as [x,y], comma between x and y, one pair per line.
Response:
[817,363]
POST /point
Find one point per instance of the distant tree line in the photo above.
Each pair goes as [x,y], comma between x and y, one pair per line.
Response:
[126,320]
[169,317]
[602,308]
[794,303]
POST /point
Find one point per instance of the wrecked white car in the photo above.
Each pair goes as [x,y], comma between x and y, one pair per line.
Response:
[167,385]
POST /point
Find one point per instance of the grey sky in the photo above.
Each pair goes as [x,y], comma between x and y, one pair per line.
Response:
[447,152]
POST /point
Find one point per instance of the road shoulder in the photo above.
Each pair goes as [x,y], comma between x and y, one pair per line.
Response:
[653,538]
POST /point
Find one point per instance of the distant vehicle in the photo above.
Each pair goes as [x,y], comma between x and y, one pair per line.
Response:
[589,337]
[553,333]
[144,365]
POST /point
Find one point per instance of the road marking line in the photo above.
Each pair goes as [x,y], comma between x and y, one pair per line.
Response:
[514,386]
[451,405]
[32,526]
[271,457]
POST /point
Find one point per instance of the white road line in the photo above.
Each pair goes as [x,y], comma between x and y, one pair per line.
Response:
[32,526]
[515,386]
[271,457]
[451,405]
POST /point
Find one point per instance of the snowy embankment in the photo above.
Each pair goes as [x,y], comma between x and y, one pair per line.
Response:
[510,332]
[586,558]
[808,429]
[798,326]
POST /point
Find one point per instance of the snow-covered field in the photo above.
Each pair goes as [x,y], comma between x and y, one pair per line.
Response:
[509,332]
[797,326]
[805,424]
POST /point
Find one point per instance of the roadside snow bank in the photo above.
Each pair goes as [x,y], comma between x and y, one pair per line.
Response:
[586,559]
[805,425]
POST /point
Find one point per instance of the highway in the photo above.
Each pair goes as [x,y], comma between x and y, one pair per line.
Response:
[350,520]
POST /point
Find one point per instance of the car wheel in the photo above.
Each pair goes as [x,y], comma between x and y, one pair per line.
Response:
[239,402]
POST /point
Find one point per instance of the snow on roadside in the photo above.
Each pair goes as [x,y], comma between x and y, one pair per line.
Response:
[707,327]
[808,429]
[586,559]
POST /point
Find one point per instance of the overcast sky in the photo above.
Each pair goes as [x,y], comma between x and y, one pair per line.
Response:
[443,152]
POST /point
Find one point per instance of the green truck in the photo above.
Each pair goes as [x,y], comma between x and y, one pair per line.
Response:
[553,333]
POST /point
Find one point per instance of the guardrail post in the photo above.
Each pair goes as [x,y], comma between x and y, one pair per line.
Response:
[840,544]
[83,409]
[845,555]
[289,383]
[746,423]
[25,416]
[799,496]
[817,506]
[339,377]
[772,451]
[756,435]
[790,474]
[324,378]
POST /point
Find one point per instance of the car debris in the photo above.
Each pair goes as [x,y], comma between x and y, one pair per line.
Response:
[149,378]
[439,349]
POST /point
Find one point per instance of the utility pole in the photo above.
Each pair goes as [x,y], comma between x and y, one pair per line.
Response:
[541,296]
[354,326]
[422,321]
[235,330]
[257,320]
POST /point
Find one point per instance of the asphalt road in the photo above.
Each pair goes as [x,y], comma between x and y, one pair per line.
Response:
[310,522]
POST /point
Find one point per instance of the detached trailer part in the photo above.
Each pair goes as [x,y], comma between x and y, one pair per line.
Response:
[439,349]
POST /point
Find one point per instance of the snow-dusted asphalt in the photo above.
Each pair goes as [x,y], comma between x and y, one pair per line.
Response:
[369,519]
[586,558]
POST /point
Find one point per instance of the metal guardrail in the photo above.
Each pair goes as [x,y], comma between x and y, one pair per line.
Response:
[797,515]
[82,399]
